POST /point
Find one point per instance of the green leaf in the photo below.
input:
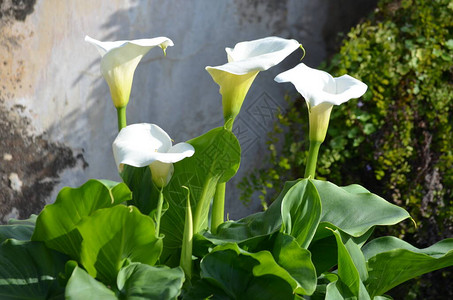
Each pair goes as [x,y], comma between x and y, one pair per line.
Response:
[113,235]
[144,193]
[135,281]
[139,281]
[57,222]
[324,250]
[18,229]
[392,261]
[296,261]
[324,253]
[301,212]
[355,211]
[31,221]
[251,229]
[29,270]
[216,159]
[242,275]
[82,286]
[286,252]
[350,271]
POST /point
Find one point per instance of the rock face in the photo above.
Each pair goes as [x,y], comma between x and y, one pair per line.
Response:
[56,115]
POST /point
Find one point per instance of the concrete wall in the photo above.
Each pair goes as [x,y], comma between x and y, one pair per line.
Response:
[57,118]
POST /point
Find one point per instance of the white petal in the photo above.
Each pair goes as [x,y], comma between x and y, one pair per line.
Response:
[139,145]
[104,47]
[176,153]
[318,87]
[349,87]
[230,54]
[257,55]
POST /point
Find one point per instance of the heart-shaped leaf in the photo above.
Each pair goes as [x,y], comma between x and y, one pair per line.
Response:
[113,235]
[392,261]
[355,210]
[56,223]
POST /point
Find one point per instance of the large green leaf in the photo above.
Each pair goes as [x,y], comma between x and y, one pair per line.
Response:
[18,229]
[301,212]
[56,223]
[216,159]
[286,252]
[29,270]
[81,286]
[392,261]
[139,281]
[288,261]
[113,235]
[229,272]
[355,210]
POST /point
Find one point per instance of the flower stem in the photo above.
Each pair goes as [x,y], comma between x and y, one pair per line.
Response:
[310,168]
[218,207]
[121,113]
[187,240]
[160,203]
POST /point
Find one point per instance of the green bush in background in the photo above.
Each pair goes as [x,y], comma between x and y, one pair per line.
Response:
[397,140]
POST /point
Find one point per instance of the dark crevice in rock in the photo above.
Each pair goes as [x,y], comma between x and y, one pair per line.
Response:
[29,166]
[16,9]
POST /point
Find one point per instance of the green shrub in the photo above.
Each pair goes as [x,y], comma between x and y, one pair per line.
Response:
[397,140]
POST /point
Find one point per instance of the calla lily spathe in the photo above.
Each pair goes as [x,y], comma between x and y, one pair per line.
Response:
[321,92]
[144,144]
[245,61]
[119,61]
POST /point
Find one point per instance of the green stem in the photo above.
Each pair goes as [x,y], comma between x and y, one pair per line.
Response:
[313,151]
[218,207]
[160,203]
[187,240]
[121,113]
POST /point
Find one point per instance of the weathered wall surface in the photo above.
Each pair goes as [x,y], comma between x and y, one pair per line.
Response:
[56,117]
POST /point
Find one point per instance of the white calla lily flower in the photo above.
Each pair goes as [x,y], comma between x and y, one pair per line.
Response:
[245,61]
[119,61]
[143,144]
[321,92]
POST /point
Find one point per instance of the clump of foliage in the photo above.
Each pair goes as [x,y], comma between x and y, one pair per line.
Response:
[397,140]
[148,237]
[402,131]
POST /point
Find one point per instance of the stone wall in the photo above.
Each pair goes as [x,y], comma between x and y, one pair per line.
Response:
[56,117]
